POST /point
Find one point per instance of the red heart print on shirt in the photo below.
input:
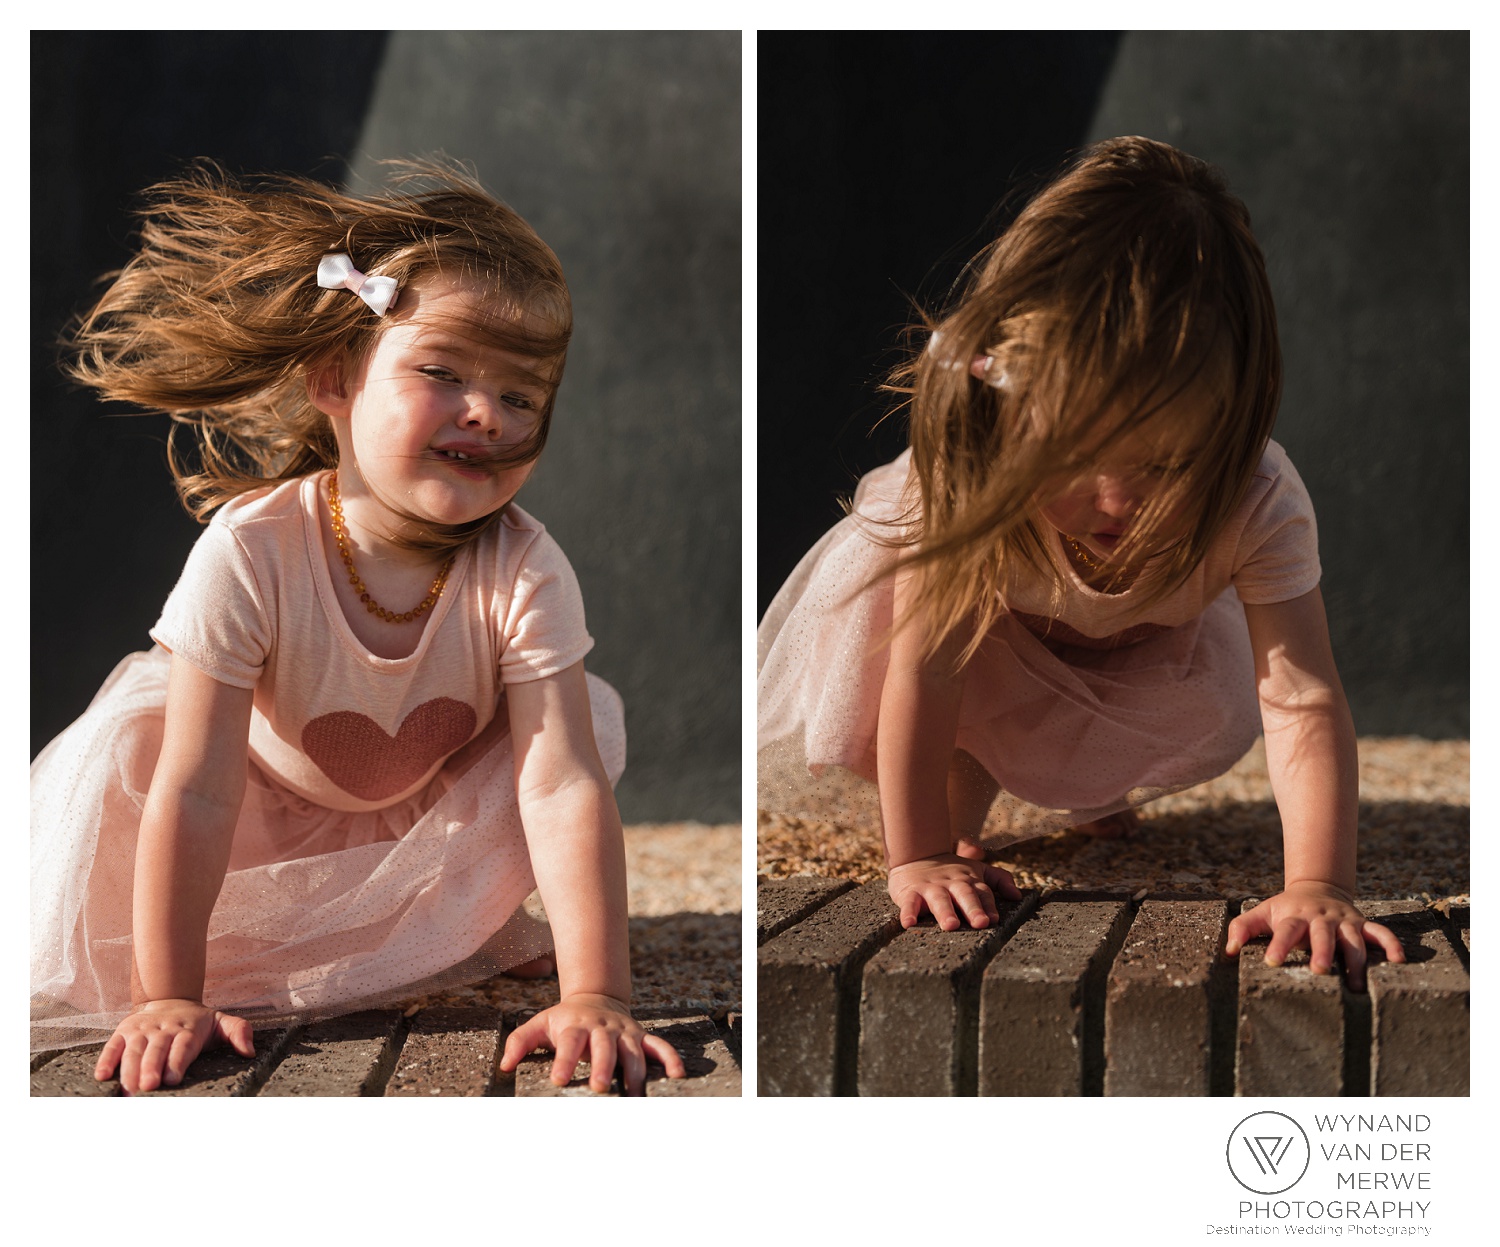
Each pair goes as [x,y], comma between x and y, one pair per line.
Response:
[362,759]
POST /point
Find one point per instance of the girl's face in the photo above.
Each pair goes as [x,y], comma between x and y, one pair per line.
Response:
[1097,505]
[425,407]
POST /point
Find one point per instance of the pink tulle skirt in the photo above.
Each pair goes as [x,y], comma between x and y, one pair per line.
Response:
[1070,734]
[322,911]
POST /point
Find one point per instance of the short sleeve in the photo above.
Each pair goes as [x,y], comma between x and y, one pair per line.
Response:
[545,631]
[216,617]
[1277,556]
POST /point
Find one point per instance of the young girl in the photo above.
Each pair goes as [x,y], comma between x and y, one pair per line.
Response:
[365,733]
[1068,593]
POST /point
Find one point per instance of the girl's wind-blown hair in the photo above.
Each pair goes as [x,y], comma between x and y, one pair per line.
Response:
[1129,285]
[219,320]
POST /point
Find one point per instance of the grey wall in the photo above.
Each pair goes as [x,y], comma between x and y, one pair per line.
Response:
[1351,152]
[623,151]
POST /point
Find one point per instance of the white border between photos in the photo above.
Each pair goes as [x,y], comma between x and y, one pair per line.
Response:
[1138,1171]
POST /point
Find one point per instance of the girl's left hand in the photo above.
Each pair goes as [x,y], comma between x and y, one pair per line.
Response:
[1319,917]
[600,1029]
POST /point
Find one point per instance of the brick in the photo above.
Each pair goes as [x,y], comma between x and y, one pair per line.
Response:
[1041,1009]
[1419,1009]
[1165,999]
[808,1017]
[711,1068]
[920,1005]
[782,903]
[1458,931]
[734,1036]
[71,1072]
[219,1070]
[223,1071]
[449,1052]
[344,1056]
[1291,1036]
[711,1071]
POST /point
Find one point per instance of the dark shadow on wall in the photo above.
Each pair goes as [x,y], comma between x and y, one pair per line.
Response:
[883,160]
[112,112]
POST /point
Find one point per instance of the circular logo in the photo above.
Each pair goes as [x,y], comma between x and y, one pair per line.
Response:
[1268,1153]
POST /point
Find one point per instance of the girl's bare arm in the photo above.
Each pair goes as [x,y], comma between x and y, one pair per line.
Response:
[182,854]
[1314,769]
[577,852]
[918,728]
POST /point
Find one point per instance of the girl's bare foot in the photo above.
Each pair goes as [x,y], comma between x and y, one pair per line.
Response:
[1119,826]
[536,968]
[970,849]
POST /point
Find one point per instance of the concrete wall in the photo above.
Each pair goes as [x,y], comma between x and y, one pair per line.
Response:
[1351,150]
[623,150]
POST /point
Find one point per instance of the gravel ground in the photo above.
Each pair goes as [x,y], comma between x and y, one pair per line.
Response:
[685,927]
[1222,837]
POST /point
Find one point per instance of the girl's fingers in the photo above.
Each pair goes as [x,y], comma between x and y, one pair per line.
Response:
[1001,881]
[1374,933]
[130,1064]
[601,1061]
[1352,946]
[238,1032]
[987,901]
[911,908]
[969,899]
[154,1061]
[941,905]
[1286,936]
[570,1049]
[527,1037]
[670,1058]
[179,1056]
[1320,944]
[632,1065]
[1247,927]
[109,1058]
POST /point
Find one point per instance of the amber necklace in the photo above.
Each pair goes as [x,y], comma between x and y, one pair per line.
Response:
[1082,554]
[1119,579]
[340,535]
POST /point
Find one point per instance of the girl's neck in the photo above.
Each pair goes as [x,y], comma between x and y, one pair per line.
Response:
[390,576]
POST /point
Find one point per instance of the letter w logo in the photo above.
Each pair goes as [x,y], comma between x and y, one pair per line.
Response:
[1267,1150]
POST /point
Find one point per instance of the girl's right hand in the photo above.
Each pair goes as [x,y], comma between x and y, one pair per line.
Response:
[154,1046]
[946,885]
[600,1030]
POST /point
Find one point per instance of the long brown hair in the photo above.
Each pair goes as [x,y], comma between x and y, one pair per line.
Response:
[1130,282]
[218,319]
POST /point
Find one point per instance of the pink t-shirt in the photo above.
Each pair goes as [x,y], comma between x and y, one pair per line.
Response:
[255,608]
[1268,552]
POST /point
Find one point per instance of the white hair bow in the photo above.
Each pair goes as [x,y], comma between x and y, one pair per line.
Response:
[338,270]
[980,367]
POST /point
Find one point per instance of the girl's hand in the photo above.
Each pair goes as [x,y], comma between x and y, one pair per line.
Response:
[599,1028]
[945,884]
[154,1046]
[1319,917]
